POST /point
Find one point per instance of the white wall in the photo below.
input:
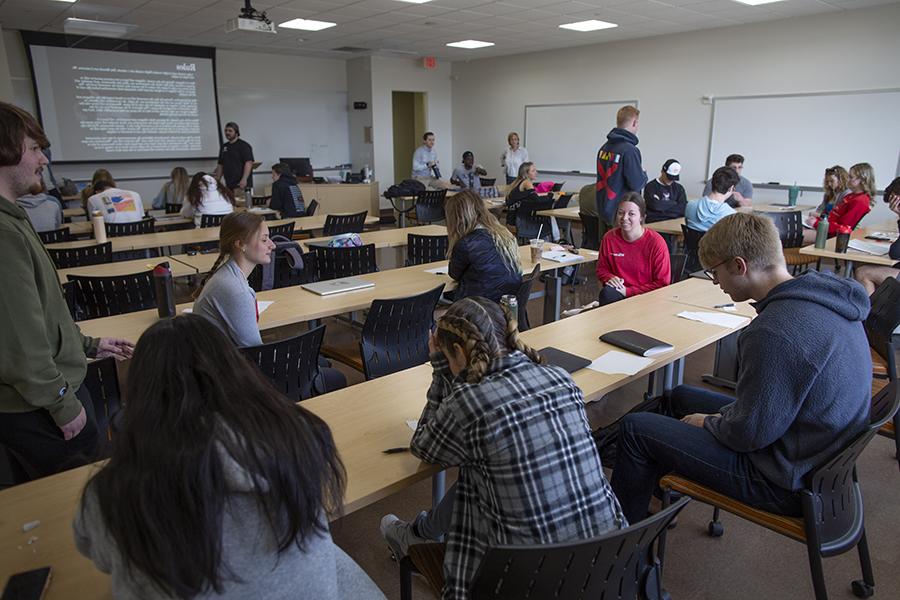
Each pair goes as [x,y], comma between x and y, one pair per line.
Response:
[6,89]
[847,50]
[407,75]
[359,89]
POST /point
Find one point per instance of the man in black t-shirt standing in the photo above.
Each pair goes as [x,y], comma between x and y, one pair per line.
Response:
[664,196]
[235,161]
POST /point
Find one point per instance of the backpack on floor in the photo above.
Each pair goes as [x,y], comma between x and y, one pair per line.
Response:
[607,438]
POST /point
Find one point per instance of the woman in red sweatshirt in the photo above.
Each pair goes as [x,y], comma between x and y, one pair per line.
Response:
[633,259]
[853,206]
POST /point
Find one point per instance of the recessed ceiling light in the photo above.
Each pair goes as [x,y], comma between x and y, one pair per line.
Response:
[757,2]
[306,24]
[416,1]
[592,25]
[69,1]
[470,44]
[99,28]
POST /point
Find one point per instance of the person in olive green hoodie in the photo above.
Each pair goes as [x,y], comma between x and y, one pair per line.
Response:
[46,418]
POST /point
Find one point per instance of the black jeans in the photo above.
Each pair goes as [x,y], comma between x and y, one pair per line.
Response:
[35,445]
[653,445]
[609,294]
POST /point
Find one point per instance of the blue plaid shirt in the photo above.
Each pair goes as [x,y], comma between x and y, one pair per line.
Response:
[529,472]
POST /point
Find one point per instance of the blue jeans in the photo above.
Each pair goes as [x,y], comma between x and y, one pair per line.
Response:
[653,445]
[509,179]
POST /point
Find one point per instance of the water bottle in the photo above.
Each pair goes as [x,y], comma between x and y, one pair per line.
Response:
[99,227]
[822,232]
[164,288]
[248,197]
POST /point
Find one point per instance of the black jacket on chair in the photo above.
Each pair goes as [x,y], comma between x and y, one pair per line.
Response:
[478,267]
[287,197]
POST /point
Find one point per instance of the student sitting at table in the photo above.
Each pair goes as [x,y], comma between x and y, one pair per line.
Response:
[206,197]
[467,175]
[633,259]
[218,486]
[665,197]
[704,213]
[871,276]
[529,472]
[42,209]
[483,254]
[225,297]
[802,394]
[852,207]
[116,205]
[834,188]
[88,191]
[173,191]
[522,188]
[286,195]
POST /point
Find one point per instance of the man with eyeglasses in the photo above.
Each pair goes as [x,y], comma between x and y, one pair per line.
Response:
[803,391]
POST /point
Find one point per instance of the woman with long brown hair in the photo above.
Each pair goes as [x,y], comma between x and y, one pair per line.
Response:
[100,175]
[522,188]
[484,257]
[206,197]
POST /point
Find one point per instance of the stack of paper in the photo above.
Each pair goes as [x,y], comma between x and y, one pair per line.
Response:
[614,362]
[715,318]
[869,247]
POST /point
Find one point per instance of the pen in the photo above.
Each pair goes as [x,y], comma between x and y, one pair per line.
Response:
[724,305]
[395,450]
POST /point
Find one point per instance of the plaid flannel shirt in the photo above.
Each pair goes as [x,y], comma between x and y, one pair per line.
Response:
[529,472]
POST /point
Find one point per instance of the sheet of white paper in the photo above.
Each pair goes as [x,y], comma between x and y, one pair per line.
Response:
[614,362]
[263,305]
[412,424]
[187,311]
[715,318]
[561,257]
[869,247]
[730,308]
[437,270]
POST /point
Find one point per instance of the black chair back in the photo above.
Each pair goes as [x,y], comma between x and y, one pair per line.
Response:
[261,200]
[430,206]
[68,289]
[97,297]
[528,222]
[311,207]
[285,229]
[395,334]
[83,256]
[292,364]
[488,181]
[557,187]
[790,227]
[422,249]
[676,264]
[133,228]
[338,224]
[286,273]
[102,382]
[883,320]
[211,220]
[590,231]
[692,239]
[334,263]
[522,295]
[614,565]
[172,208]
[55,236]
[562,201]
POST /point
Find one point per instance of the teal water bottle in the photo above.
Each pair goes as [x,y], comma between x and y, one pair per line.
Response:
[822,232]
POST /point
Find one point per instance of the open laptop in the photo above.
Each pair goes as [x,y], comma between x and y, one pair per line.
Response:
[336,286]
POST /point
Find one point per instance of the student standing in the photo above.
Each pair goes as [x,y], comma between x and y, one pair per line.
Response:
[665,197]
[803,391]
[218,486]
[871,276]
[173,191]
[529,472]
[743,189]
[286,195]
[47,419]
[425,164]
[206,197]
[235,161]
[704,213]
[116,205]
[633,259]
[513,157]
[852,207]
[619,168]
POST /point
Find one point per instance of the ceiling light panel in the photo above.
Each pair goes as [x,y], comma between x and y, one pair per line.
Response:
[307,24]
[592,25]
[470,44]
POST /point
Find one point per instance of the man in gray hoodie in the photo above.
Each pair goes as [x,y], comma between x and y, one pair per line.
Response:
[43,211]
[803,391]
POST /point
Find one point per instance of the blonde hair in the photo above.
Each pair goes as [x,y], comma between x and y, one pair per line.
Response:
[521,176]
[485,330]
[626,114]
[750,236]
[866,174]
[510,134]
[465,212]
[179,181]
[236,227]
[842,177]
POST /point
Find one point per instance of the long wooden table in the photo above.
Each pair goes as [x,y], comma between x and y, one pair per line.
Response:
[80,228]
[851,256]
[364,419]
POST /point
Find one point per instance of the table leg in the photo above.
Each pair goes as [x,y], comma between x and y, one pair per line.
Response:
[725,367]
[438,487]
[552,296]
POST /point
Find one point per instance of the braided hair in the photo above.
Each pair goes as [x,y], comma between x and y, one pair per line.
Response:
[484,330]
[235,227]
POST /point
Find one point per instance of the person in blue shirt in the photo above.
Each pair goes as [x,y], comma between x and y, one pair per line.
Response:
[425,164]
[467,175]
[707,211]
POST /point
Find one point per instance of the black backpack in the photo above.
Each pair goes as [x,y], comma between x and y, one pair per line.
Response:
[407,187]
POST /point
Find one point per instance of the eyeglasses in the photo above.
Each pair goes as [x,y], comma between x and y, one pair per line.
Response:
[711,272]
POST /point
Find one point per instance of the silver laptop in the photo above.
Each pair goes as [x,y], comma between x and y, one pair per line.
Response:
[336,286]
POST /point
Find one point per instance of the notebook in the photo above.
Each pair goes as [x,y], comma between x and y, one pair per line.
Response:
[559,358]
[336,286]
[637,343]
[869,247]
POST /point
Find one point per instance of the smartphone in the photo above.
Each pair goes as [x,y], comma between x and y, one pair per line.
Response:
[30,585]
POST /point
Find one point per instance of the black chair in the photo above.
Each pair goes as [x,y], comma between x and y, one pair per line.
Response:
[133,228]
[422,249]
[292,364]
[172,208]
[522,295]
[529,223]
[790,230]
[311,207]
[334,263]
[557,187]
[692,239]
[68,289]
[211,220]
[430,206]
[97,297]
[833,518]
[487,181]
[338,224]
[285,229]
[261,200]
[620,564]
[676,265]
[102,382]
[562,201]
[883,320]
[54,236]
[590,231]
[82,256]
[286,272]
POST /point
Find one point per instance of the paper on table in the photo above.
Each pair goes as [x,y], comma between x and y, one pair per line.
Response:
[614,362]
[716,318]
[261,306]
[437,270]
[412,424]
[869,247]
[561,257]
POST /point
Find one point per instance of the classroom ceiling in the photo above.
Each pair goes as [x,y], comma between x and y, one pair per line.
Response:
[393,27]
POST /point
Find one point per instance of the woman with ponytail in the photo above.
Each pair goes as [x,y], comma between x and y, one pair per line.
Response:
[529,472]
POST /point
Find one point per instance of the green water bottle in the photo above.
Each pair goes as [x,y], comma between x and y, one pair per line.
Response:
[822,232]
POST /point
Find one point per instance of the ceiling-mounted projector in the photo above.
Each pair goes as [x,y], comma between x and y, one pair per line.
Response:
[250,19]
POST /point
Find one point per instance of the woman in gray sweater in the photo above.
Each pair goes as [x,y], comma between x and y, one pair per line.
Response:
[218,486]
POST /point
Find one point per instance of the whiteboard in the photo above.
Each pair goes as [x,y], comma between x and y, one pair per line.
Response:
[795,137]
[566,137]
[290,123]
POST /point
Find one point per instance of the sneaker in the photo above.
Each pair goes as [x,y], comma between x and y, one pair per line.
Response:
[399,535]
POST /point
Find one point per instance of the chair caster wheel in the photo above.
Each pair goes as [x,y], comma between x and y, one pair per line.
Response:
[715,529]
[861,589]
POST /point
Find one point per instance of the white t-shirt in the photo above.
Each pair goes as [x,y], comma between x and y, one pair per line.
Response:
[117,206]
[212,202]
[511,160]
